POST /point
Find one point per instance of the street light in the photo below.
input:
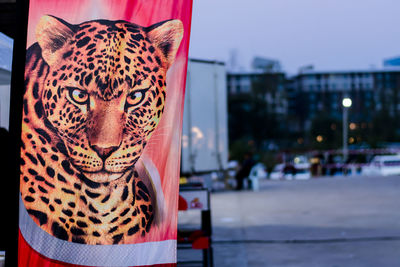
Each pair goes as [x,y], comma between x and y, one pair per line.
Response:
[346,105]
[346,102]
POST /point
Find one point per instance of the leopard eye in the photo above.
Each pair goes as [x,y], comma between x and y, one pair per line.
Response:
[135,98]
[79,96]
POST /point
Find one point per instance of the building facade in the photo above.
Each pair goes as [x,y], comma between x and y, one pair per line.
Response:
[370,91]
[309,104]
[257,105]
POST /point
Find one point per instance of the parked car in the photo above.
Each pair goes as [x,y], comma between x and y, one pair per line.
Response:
[288,171]
[300,171]
[233,166]
[277,172]
[303,171]
[258,171]
[383,165]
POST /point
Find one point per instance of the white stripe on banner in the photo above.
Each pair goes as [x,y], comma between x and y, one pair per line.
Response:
[148,253]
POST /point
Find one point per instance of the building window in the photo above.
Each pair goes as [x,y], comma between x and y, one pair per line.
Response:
[245,89]
[238,89]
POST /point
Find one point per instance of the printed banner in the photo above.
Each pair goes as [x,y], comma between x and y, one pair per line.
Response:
[101,129]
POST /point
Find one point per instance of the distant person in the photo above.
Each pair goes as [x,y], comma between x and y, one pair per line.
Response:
[244,170]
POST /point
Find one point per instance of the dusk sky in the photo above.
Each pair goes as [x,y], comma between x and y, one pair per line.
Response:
[330,34]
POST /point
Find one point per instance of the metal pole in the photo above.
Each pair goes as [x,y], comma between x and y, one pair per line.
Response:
[189,125]
[15,118]
[345,134]
[216,114]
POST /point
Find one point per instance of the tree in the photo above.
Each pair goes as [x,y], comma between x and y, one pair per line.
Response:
[382,129]
[326,132]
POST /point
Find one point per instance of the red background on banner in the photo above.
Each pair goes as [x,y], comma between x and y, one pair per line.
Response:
[166,138]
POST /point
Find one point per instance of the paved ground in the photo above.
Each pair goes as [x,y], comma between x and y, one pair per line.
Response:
[319,222]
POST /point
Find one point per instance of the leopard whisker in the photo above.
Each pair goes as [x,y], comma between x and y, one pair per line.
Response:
[159,134]
[165,126]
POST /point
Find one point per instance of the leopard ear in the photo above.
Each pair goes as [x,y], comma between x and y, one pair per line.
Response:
[53,34]
[167,37]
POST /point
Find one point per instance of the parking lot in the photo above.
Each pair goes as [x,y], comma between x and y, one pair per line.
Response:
[341,221]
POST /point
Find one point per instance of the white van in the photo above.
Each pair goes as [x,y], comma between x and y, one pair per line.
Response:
[383,165]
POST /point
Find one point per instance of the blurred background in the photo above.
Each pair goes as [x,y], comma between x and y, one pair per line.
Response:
[291,132]
[292,123]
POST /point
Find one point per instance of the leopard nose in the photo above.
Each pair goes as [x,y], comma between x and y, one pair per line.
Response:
[104,152]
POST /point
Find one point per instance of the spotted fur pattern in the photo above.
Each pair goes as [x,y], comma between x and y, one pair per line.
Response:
[95,92]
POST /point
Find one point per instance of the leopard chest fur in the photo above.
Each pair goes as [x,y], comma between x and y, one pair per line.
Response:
[72,208]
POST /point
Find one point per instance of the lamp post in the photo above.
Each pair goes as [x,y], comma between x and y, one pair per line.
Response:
[346,102]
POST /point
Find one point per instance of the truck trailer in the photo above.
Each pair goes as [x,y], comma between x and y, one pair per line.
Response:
[205,119]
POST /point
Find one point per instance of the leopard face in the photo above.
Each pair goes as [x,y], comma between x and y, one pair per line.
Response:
[95,92]
[106,94]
